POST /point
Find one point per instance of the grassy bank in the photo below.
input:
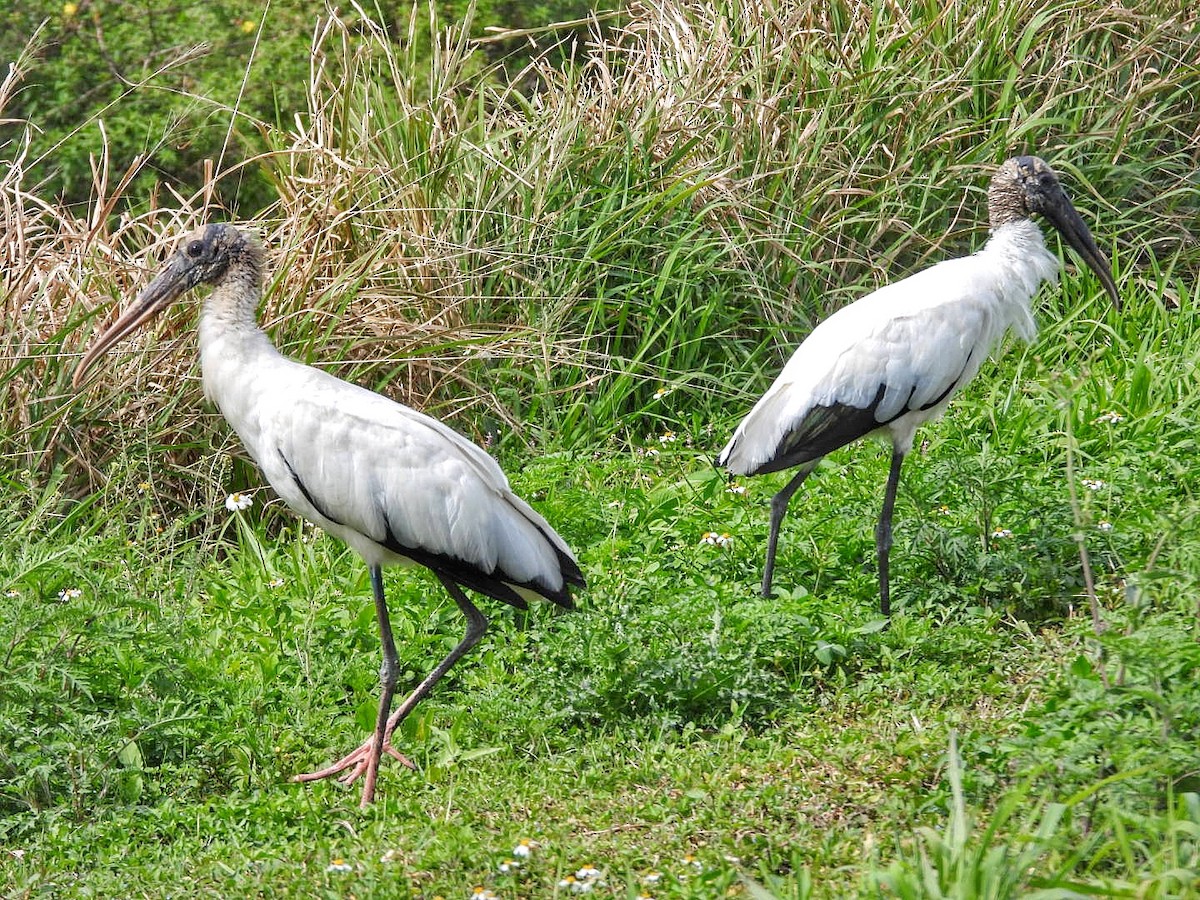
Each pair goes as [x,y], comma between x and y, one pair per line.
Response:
[598,267]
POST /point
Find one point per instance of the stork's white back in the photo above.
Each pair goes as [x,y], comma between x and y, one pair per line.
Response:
[369,470]
[903,346]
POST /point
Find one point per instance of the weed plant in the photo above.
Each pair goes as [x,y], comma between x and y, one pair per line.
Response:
[596,267]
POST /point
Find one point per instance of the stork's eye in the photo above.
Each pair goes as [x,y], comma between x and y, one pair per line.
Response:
[195,248]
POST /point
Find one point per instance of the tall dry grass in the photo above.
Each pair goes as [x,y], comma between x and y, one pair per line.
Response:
[537,255]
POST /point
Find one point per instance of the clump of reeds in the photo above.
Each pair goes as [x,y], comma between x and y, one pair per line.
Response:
[536,255]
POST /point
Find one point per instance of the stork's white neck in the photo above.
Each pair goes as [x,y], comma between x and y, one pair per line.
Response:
[231,342]
[1017,252]
[1023,246]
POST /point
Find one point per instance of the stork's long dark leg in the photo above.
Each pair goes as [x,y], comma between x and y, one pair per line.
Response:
[779,505]
[476,626]
[883,531]
[388,670]
[357,762]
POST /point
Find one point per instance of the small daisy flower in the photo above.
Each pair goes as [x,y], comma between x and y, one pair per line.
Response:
[1105,525]
[588,873]
[12,595]
[567,883]
[692,862]
[1001,534]
[238,501]
[662,392]
[943,510]
[482,893]
[339,865]
[275,583]
[724,539]
[143,486]
[1093,484]
[738,489]
[509,865]
[70,594]
[652,878]
[667,437]
[648,451]
[524,848]
[1110,418]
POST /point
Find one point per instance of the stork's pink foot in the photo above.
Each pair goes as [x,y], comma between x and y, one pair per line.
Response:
[354,764]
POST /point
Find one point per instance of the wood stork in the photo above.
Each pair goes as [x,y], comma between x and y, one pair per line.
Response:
[891,361]
[394,484]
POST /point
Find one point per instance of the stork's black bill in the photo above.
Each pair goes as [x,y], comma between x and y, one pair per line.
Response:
[1044,194]
[197,260]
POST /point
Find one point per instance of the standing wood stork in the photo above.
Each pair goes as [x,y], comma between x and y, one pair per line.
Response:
[891,361]
[394,484]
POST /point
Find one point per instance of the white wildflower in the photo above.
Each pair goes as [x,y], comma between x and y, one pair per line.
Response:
[238,501]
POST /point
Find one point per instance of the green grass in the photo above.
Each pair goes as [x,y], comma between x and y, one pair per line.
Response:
[151,723]
[599,267]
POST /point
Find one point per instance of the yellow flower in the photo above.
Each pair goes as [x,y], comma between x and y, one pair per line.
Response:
[248,25]
[69,9]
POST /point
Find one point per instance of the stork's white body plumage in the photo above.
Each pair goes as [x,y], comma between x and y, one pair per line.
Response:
[395,484]
[381,476]
[901,351]
[891,361]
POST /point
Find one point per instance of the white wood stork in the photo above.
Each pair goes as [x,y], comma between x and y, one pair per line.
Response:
[891,361]
[394,484]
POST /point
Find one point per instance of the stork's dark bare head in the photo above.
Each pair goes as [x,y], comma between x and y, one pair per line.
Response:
[210,254]
[1025,185]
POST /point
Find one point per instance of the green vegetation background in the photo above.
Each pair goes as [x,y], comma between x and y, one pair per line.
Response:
[111,67]
[593,259]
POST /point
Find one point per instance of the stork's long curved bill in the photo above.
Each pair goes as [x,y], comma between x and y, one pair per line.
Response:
[1070,224]
[154,298]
